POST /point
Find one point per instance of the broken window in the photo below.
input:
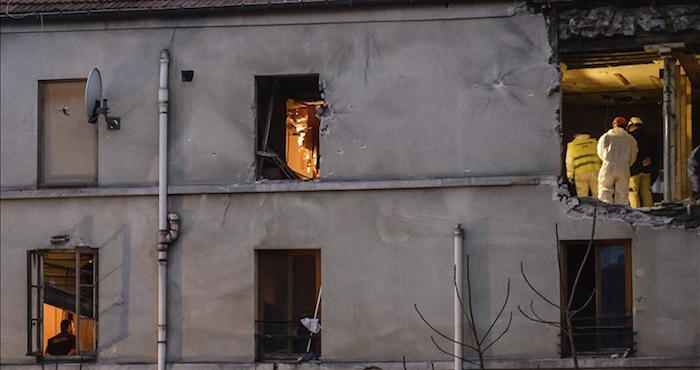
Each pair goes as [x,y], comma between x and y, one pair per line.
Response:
[604,290]
[649,83]
[62,303]
[288,127]
[288,286]
[67,142]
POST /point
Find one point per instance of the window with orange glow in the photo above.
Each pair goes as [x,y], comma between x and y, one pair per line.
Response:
[288,109]
[62,296]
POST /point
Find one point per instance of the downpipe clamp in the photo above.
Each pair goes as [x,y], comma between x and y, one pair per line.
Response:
[170,235]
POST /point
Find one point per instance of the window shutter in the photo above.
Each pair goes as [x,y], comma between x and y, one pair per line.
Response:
[35,300]
[86,298]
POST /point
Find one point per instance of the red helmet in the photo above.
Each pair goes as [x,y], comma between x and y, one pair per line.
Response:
[619,121]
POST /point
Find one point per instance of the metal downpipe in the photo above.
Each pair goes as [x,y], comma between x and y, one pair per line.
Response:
[459,274]
[162,207]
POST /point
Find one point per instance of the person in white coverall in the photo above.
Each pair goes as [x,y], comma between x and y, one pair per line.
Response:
[618,151]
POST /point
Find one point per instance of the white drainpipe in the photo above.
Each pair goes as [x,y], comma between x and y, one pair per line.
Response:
[459,274]
[168,223]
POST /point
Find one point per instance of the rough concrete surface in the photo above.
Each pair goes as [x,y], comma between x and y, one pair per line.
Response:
[407,100]
[382,251]
[418,97]
[606,21]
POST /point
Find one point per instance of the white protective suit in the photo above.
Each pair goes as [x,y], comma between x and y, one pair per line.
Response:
[618,150]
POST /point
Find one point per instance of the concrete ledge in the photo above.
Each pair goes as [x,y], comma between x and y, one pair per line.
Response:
[280,187]
[541,363]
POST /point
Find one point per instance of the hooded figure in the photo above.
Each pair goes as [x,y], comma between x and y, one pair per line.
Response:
[583,164]
[618,151]
[645,167]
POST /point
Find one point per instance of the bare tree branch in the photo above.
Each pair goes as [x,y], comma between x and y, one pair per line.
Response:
[527,316]
[573,313]
[567,298]
[459,296]
[479,350]
[522,271]
[534,313]
[500,312]
[451,354]
[471,320]
[467,311]
[583,262]
[439,332]
[510,320]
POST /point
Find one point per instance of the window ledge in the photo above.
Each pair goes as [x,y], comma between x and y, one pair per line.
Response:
[515,363]
[595,363]
[541,363]
[677,215]
[66,359]
[280,186]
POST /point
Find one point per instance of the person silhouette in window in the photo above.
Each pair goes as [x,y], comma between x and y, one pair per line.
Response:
[63,343]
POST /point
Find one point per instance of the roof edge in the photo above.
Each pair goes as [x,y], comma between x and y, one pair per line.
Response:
[192,10]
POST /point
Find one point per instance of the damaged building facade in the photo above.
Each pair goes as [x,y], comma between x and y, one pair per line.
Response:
[318,156]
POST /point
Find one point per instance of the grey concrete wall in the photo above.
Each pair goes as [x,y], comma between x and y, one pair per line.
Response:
[382,251]
[123,231]
[414,94]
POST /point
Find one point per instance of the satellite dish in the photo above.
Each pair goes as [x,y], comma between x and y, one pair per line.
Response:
[93,95]
[94,104]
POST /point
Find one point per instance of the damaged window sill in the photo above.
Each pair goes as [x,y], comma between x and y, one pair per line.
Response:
[678,215]
[281,186]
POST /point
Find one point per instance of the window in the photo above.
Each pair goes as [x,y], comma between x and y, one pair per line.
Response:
[288,127]
[604,326]
[62,303]
[288,286]
[597,86]
[67,142]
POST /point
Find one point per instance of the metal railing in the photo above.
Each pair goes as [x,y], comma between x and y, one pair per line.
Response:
[284,339]
[601,336]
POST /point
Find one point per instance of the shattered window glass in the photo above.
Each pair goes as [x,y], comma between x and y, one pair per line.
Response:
[288,109]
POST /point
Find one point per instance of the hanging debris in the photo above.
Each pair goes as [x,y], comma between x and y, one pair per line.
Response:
[613,21]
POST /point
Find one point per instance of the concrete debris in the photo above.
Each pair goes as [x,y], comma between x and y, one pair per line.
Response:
[611,21]
[554,87]
[678,215]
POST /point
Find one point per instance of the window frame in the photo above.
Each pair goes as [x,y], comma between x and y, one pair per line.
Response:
[596,247]
[41,141]
[260,356]
[36,290]
[266,112]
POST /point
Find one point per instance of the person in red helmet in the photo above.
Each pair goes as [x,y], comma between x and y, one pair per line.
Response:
[618,151]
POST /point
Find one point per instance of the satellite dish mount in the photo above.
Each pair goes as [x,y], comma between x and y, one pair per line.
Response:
[95,104]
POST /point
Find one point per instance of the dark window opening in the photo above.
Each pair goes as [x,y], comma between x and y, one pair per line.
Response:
[62,303]
[288,284]
[604,325]
[288,127]
[599,86]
